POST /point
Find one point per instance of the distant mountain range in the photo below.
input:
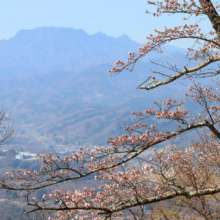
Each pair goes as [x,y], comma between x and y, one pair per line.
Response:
[86,106]
[56,79]
[62,49]
[47,49]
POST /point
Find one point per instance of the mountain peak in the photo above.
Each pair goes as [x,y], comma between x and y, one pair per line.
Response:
[59,48]
[62,48]
[124,36]
[125,39]
[48,31]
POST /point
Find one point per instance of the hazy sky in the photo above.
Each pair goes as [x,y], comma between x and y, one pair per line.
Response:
[113,17]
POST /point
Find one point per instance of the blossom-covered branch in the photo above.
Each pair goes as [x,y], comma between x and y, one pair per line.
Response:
[140,169]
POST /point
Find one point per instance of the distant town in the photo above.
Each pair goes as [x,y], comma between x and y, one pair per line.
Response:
[61,150]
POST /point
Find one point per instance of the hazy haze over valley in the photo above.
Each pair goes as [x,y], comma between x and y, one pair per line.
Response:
[56,80]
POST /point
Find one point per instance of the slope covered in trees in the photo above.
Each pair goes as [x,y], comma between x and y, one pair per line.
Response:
[53,102]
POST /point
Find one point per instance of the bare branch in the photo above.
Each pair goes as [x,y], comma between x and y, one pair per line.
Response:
[180,74]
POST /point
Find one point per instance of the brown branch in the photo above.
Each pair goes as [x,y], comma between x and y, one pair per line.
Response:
[147,201]
[180,74]
[213,129]
[170,195]
[212,15]
[168,40]
[65,209]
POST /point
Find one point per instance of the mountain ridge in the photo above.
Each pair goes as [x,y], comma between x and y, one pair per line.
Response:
[57,80]
[62,49]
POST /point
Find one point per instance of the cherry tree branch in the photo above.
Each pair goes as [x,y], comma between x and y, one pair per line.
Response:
[170,195]
[178,75]
[132,203]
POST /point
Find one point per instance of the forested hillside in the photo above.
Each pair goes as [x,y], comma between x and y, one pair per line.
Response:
[56,79]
